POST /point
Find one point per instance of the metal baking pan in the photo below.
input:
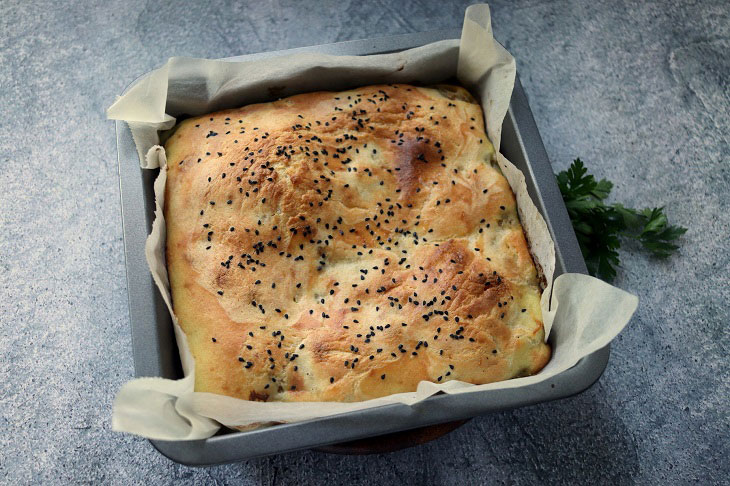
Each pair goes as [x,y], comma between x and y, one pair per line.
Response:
[153,342]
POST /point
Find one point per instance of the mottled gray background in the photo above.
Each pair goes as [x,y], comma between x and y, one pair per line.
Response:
[638,90]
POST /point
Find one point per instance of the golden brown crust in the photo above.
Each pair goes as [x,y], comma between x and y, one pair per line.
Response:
[345,246]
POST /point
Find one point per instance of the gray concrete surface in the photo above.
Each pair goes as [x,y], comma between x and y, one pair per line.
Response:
[638,90]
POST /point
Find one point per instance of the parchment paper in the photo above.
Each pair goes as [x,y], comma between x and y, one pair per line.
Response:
[584,315]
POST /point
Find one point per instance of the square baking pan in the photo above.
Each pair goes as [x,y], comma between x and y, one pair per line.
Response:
[153,341]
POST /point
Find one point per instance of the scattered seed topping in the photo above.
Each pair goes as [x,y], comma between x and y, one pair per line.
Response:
[361,217]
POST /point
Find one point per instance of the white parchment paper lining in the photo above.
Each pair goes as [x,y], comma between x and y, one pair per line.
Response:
[585,313]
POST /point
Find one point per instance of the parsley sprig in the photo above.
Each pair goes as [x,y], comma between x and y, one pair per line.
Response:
[600,227]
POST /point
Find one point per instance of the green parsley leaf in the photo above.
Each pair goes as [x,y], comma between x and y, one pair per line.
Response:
[599,227]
